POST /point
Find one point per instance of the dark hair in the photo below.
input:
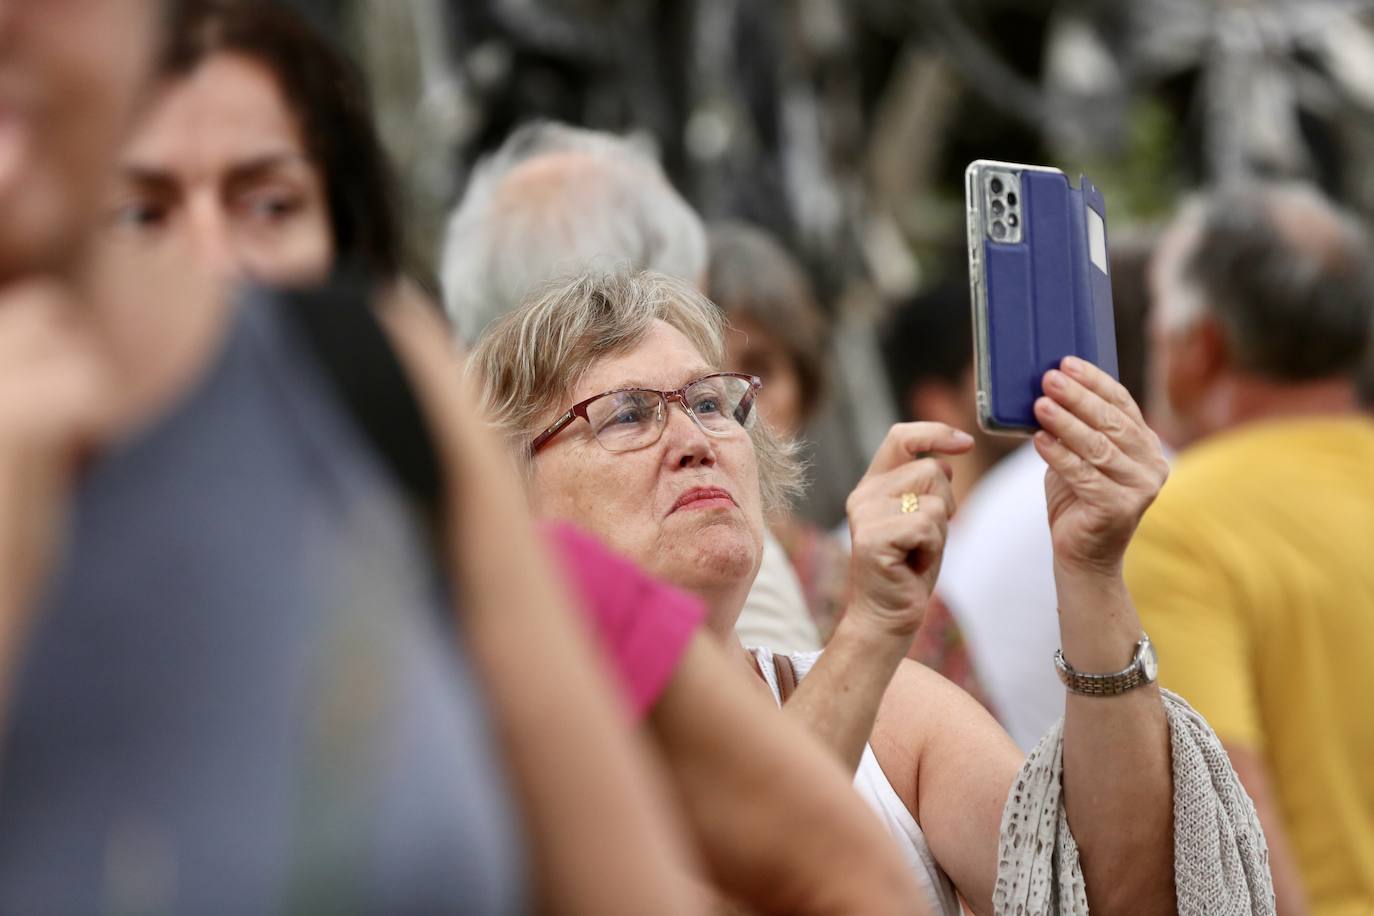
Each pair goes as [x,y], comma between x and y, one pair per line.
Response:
[929,337]
[750,275]
[1129,259]
[329,98]
[1288,277]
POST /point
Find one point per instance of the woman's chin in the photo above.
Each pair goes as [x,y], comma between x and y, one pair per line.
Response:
[721,559]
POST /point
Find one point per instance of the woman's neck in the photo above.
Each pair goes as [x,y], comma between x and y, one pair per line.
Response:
[720,625]
[724,603]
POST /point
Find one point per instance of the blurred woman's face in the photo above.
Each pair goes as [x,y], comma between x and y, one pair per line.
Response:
[217,178]
[687,509]
[213,187]
[751,348]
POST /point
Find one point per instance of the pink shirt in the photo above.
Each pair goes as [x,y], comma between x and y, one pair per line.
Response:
[641,625]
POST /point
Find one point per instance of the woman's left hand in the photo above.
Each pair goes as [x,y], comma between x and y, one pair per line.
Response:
[1106,466]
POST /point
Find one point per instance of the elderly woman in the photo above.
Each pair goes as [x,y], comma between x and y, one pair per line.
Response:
[611,391]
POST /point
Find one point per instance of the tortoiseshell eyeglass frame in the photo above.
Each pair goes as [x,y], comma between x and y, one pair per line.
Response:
[745,406]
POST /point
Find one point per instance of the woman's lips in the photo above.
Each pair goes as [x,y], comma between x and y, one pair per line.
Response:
[704,498]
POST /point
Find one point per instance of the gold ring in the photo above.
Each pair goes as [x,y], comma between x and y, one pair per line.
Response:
[910,503]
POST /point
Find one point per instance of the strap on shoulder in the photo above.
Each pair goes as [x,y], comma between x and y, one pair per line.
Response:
[787,675]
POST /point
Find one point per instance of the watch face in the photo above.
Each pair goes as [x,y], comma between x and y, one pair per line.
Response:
[1149,662]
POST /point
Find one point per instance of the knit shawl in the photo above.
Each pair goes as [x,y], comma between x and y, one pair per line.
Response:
[1221,862]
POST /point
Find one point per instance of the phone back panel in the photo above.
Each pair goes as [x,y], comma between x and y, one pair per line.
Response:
[1044,299]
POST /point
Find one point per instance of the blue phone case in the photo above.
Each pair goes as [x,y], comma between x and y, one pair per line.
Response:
[1045,298]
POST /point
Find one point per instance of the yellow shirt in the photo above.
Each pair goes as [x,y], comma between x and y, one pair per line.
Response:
[1254,576]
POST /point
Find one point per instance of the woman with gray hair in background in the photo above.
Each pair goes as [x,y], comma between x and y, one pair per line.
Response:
[777,331]
[611,392]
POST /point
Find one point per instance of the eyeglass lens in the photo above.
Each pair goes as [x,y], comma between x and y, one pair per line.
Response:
[625,420]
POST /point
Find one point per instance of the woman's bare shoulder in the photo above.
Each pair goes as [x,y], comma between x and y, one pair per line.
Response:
[927,723]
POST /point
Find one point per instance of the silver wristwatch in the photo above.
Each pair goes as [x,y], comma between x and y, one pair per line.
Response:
[1143,669]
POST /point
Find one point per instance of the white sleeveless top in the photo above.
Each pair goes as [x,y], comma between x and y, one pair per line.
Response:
[872,784]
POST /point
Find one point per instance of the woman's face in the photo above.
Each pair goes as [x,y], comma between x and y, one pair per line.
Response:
[213,187]
[217,178]
[641,503]
[749,347]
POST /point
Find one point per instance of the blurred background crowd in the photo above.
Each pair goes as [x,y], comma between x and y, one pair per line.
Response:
[843,128]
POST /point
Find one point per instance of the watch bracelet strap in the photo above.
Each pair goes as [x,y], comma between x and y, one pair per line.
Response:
[1097,685]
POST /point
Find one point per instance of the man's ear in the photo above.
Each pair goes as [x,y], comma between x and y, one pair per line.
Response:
[1210,352]
[1201,356]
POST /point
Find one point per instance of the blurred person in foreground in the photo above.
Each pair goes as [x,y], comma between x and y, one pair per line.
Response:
[777,331]
[258,161]
[67,94]
[613,396]
[238,685]
[1252,571]
[554,200]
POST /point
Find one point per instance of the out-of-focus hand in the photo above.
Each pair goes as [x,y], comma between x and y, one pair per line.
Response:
[896,555]
[1105,466]
[55,399]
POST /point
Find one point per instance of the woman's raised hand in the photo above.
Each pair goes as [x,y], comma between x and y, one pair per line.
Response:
[55,395]
[898,519]
[1106,466]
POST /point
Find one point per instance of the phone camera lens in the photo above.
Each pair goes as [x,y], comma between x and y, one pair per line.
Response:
[1011,198]
[996,185]
[999,230]
[1012,221]
[998,208]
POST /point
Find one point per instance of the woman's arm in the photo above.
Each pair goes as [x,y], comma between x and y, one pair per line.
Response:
[954,765]
[1118,775]
[775,818]
[895,559]
[1105,468]
[54,401]
[599,827]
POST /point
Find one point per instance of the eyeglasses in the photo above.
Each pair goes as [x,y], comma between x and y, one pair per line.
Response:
[630,418]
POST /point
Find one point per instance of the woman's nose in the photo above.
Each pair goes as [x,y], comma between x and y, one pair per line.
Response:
[213,244]
[688,443]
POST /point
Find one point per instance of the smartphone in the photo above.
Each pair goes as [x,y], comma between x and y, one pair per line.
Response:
[1039,284]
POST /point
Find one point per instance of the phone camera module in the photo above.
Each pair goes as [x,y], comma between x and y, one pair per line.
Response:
[995,185]
[999,229]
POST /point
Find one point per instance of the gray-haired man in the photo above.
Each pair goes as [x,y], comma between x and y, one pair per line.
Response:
[554,200]
[1252,571]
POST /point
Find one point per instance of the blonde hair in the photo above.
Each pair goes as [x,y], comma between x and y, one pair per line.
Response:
[527,364]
